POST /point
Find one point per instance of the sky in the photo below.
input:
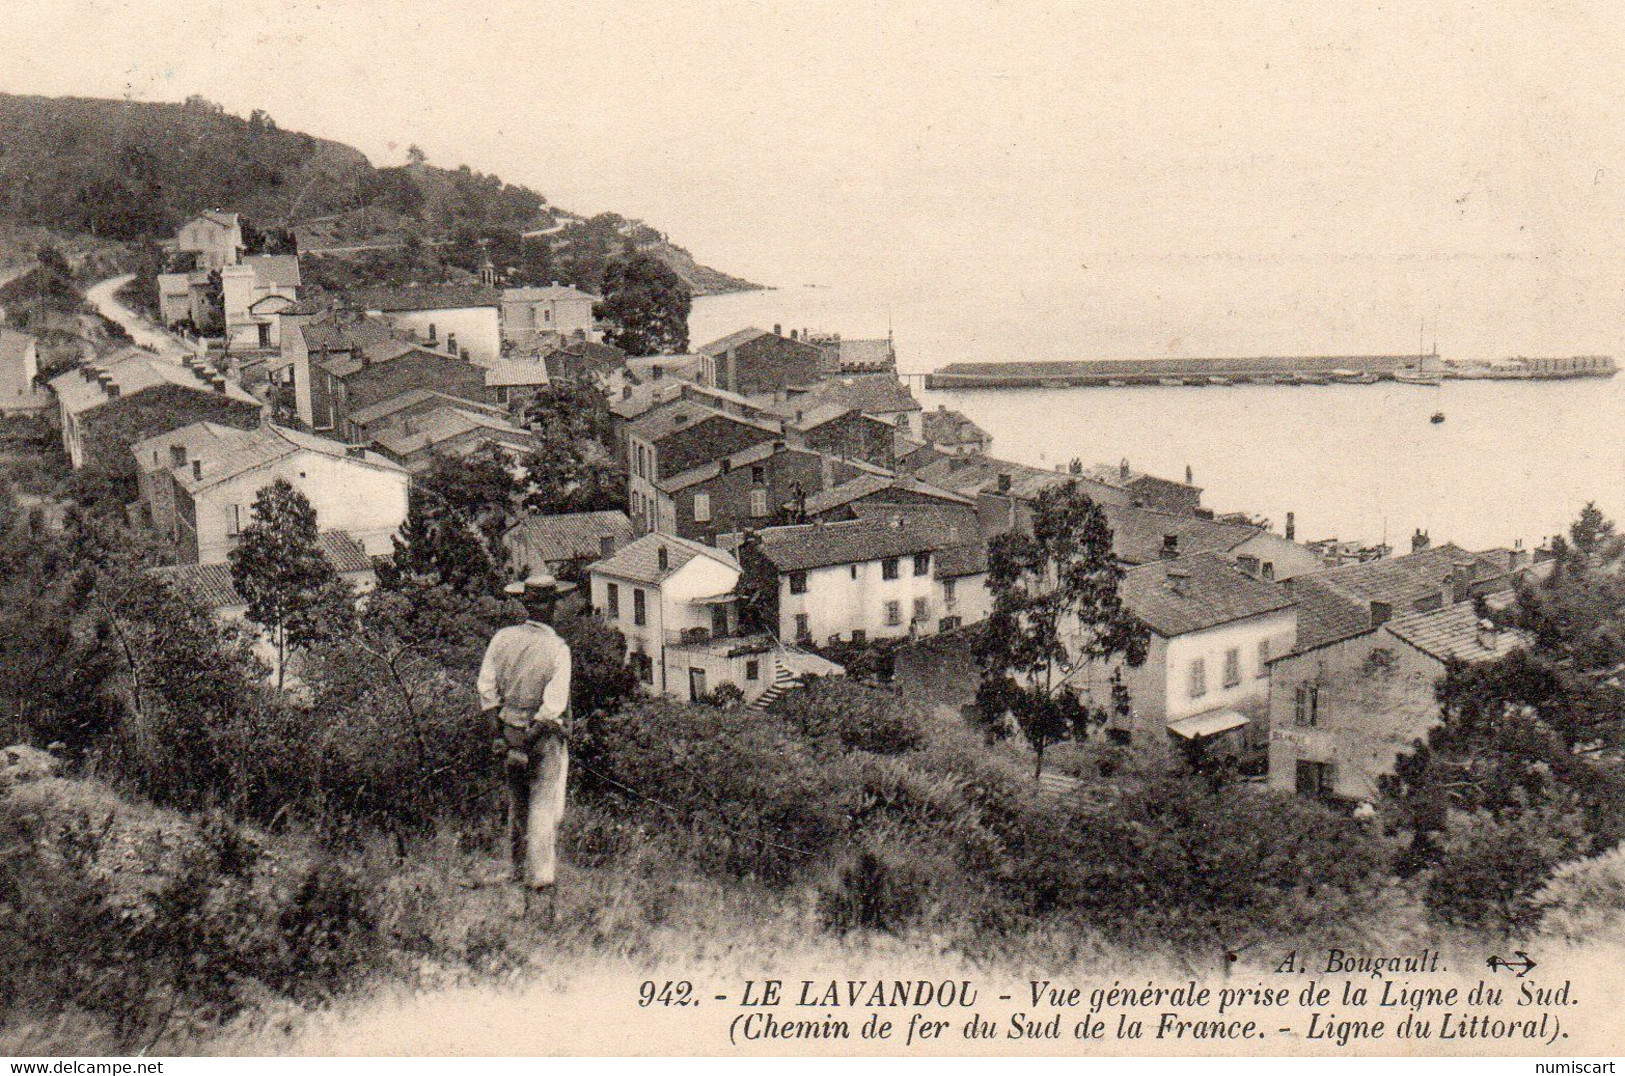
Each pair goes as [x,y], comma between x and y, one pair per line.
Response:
[1431,145]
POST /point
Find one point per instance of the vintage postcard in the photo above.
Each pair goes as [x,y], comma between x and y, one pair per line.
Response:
[826,528]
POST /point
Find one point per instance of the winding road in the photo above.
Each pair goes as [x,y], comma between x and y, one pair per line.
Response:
[102,296]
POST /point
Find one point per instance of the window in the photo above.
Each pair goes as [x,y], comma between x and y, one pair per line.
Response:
[922,609]
[644,667]
[1306,709]
[758,503]
[894,613]
[1198,683]
[798,582]
[758,474]
[451,343]
[1269,569]
[431,332]
[888,568]
[719,621]
[753,669]
[922,563]
[803,630]
[702,508]
[1232,666]
[1263,658]
[612,600]
[853,568]
[1314,779]
[640,610]
[234,519]
[947,592]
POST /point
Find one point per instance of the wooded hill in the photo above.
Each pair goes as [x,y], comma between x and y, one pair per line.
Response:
[133,170]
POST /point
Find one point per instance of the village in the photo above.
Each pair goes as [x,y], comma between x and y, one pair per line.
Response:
[794,457]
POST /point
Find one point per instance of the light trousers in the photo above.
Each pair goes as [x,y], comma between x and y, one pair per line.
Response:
[535,809]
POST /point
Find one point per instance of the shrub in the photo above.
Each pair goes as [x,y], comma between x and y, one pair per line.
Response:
[858,717]
[1491,869]
[878,887]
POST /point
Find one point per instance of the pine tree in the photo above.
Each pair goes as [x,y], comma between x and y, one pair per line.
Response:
[645,307]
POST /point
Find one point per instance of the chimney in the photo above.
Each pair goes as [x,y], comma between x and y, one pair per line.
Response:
[795,335]
[662,558]
[1380,612]
[1190,476]
[1122,470]
[778,330]
[1004,482]
[1488,636]
[88,372]
[1179,580]
[1170,546]
[177,455]
[1420,540]
[1461,583]
[197,468]
[1291,526]
[219,384]
[800,415]
[112,390]
[725,464]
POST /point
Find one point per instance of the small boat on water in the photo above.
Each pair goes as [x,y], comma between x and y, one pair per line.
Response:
[1265,379]
[1116,384]
[1309,379]
[1171,382]
[1438,417]
[1417,377]
[1216,379]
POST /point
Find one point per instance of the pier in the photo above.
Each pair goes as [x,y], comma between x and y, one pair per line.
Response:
[1264,370]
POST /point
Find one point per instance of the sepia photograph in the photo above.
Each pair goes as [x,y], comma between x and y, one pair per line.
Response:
[764,528]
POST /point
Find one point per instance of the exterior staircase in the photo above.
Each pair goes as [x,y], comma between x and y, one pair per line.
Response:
[784,680]
[1058,785]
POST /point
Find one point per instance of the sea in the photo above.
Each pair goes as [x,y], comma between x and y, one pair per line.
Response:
[1512,462]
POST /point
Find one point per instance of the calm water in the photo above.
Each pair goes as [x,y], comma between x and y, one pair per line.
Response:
[1511,461]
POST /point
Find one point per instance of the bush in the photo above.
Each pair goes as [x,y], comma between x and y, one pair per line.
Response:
[858,717]
[1491,870]
[879,887]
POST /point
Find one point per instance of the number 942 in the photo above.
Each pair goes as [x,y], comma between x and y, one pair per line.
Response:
[680,992]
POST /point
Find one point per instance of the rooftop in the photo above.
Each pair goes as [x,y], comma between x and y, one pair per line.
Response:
[274,270]
[945,427]
[135,370]
[213,587]
[868,485]
[216,453]
[383,409]
[1455,633]
[424,431]
[1140,535]
[680,414]
[421,297]
[640,561]
[873,394]
[573,536]
[554,291]
[732,340]
[854,541]
[1210,592]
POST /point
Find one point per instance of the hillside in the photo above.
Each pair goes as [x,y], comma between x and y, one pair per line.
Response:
[134,170]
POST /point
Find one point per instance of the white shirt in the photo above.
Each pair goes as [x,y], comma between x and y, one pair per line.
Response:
[526,672]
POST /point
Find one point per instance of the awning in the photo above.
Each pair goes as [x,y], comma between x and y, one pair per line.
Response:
[1209,724]
[715,599]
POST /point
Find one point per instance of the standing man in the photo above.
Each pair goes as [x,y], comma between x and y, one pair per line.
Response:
[524,688]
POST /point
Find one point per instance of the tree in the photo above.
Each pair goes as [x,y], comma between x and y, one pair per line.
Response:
[1055,608]
[290,587]
[574,470]
[645,307]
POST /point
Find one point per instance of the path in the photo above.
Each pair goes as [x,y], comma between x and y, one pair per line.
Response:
[102,296]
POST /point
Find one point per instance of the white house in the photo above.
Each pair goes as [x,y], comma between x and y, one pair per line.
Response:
[199,482]
[215,237]
[1213,631]
[461,320]
[556,309]
[674,601]
[19,372]
[255,293]
[854,580]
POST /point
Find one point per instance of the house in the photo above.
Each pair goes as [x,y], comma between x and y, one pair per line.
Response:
[19,374]
[1149,491]
[1324,680]
[212,587]
[362,425]
[754,487]
[872,488]
[678,436]
[854,581]
[214,238]
[460,320]
[953,434]
[752,361]
[175,296]
[513,383]
[255,293]
[595,362]
[962,595]
[1206,676]
[558,311]
[414,440]
[674,602]
[845,356]
[843,430]
[342,363]
[565,544]
[198,485]
[973,475]
[107,406]
[881,397]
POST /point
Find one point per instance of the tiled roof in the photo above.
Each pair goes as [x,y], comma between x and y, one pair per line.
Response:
[346,333]
[681,414]
[584,358]
[226,220]
[226,452]
[421,297]
[682,367]
[868,485]
[1139,534]
[640,561]
[134,370]
[539,540]
[506,373]
[366,416]
[945,427]
[213,587]
[743,458]
[1108,475]
[732,340]
[274,270]
[1213,593]
[645,398]
[545,293]
[1324,615]
[867,354]
[441,424]
[855,541]
[1453,633]
[874,394]
[957,561]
